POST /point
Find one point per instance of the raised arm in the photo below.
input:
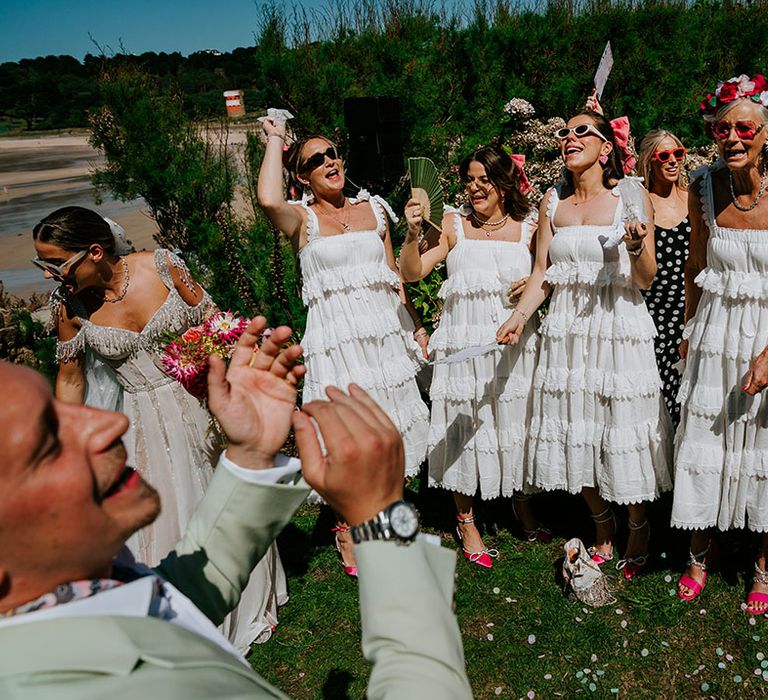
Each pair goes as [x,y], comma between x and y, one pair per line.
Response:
[536,289]
[415,265]
[289,218]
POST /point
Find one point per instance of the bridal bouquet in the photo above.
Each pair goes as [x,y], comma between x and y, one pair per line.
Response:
[185,357]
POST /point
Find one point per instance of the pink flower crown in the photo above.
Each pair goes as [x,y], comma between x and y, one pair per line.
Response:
[755,88]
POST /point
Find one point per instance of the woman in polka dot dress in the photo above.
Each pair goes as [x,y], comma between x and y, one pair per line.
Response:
[660,163]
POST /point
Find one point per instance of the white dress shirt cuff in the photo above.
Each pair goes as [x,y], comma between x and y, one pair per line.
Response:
[283,471]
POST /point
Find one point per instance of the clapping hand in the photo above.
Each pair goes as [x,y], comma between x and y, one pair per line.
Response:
[363,469]
[254,399]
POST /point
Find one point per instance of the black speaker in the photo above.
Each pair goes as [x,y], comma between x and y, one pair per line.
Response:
[374,126]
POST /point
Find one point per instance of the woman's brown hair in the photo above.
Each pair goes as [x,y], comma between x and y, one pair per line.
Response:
[613,171]
[75,228]
[502,173]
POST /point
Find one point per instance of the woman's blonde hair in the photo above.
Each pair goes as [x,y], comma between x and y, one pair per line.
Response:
[648,147]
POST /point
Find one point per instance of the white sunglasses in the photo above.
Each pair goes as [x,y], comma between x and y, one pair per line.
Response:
[59,272]
[579,131]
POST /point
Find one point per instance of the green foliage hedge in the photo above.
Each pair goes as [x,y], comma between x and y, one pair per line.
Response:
[452,69]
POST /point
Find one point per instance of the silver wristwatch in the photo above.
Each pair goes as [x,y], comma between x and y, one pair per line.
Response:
[399,522]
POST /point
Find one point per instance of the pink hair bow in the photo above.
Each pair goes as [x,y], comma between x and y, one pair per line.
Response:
[620,127]
[523,183]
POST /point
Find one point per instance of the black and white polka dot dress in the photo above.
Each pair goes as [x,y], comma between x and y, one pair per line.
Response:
[666,304]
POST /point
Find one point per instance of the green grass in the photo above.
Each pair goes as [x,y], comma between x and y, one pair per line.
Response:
[647,645]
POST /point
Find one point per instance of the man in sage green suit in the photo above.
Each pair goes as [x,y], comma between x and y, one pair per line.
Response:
[79,624]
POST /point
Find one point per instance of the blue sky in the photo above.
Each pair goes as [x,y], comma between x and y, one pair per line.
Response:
[30,28]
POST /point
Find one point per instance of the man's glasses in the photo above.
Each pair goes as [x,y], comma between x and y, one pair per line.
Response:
[745,130]
[317,159]
[664,156]
[59,272]
[580,131]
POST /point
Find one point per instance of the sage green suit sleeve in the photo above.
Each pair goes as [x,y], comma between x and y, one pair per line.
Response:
[230,531]
[410,633]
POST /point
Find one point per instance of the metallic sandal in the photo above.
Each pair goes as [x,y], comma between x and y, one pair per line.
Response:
[631,565]
[600,519]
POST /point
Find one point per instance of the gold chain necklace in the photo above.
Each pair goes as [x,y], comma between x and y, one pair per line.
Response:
[123,289]
[589,199]
[344,224]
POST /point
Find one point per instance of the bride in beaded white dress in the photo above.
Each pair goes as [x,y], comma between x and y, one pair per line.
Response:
[358,329]
[170,439]
[599,426]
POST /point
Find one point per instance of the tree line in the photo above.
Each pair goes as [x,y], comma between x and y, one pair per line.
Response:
[453,68]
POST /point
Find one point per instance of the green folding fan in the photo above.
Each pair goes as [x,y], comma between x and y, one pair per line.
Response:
[426,189]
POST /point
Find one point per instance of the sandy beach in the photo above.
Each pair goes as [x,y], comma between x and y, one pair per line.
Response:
[41,174]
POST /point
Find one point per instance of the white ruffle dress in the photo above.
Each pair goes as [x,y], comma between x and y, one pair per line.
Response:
[721,465]
[599,419]
[171,444]
[357,328]
[481,406]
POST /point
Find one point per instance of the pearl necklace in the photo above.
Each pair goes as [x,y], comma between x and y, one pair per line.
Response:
[482,224]
[123,289]
[749,207]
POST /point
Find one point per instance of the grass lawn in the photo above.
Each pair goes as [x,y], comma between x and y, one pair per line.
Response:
[522,637]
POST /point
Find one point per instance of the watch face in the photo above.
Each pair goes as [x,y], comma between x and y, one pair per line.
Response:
[404,520]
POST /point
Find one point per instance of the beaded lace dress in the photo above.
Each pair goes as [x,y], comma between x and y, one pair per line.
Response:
[481,406]
[171,443]
[721,460]
[357,328]
[599,419]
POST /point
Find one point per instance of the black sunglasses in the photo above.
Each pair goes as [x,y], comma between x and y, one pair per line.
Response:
[317,159]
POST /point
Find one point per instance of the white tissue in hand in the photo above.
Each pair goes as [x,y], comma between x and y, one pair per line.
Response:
[278,116]
[631,213]
[614,239]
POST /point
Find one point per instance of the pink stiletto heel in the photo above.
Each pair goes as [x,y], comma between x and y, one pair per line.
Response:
[631,565]
[349,569]
[484,557]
